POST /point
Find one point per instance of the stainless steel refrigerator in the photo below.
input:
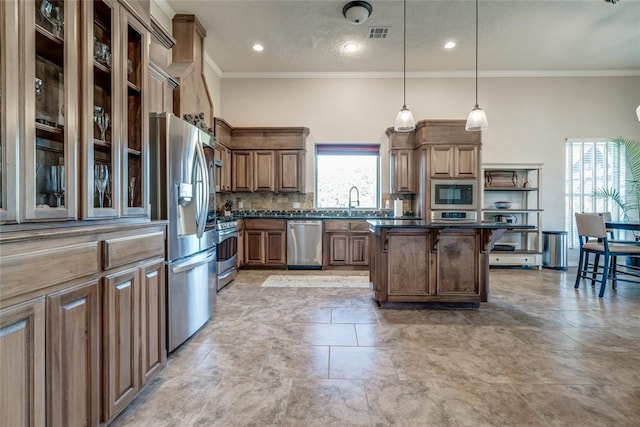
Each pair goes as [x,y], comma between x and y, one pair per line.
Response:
[183,193]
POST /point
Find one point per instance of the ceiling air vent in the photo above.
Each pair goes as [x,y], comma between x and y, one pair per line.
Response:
[378,32]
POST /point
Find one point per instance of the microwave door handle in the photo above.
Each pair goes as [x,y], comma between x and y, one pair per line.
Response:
[201,211]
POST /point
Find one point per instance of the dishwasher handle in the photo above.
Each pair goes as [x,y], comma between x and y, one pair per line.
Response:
[306,224]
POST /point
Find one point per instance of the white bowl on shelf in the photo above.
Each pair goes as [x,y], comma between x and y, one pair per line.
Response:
[502,204]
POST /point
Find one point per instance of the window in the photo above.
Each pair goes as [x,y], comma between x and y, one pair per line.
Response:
[591,165]
[341,166]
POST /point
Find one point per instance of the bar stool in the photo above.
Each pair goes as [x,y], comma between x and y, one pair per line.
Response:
[593,238]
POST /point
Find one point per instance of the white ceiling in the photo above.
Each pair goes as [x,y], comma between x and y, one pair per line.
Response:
[590,37]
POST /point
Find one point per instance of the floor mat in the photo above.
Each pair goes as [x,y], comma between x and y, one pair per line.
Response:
[314,281]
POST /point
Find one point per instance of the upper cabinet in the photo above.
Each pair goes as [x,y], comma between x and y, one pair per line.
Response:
[115,110]
[74,110]
[401,171]
[454,161]
[48,123]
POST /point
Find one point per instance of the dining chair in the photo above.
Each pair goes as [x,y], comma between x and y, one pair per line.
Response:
[594,239]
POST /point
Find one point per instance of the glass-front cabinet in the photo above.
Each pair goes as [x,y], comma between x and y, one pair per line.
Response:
[49,127]
[115,111]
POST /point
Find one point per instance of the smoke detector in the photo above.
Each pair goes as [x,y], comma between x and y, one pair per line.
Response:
[357,12]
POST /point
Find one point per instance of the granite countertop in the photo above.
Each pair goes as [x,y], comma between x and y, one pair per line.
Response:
[330,214]
[414,223]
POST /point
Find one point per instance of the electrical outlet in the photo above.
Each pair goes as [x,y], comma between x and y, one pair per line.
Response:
[296,205]
[240,205]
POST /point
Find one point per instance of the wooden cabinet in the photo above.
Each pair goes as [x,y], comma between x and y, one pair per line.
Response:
[401,170]
[265,243]
[291,171]
[100,308]
[120,322]
[22,364]
[223,168]
[345,243]
[518,183]
[454,161]
[241,245]
[253,171]
[430,264]
[73,355]
[152,320]
[115,103]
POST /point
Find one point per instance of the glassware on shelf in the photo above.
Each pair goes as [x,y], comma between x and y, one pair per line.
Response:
[55,16]
[38,83]
[57,183]
[101,52]
[101,118]
[129,66]
[101,178]
[132,190]
[107,193]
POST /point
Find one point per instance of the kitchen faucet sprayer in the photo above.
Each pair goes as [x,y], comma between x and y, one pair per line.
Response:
[357,197]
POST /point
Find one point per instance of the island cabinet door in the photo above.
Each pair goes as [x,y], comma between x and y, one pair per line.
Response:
[408,264]
[458,263]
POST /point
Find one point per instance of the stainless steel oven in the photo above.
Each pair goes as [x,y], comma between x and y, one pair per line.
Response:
[227,252]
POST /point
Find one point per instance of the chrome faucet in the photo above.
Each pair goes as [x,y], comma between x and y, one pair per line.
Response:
[357,197]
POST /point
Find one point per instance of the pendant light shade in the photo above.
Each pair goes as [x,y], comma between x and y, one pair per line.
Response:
[477,119]
[404,120]
[638,112]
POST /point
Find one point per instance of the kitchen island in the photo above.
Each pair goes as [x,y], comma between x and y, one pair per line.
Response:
[420,261]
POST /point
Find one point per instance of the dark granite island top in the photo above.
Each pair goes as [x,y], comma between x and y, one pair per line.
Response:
[443,263]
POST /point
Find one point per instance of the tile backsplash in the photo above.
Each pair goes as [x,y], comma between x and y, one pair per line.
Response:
[285,201]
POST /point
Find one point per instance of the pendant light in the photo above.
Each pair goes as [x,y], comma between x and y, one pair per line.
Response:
[477,119]
[404,120]
[638,112]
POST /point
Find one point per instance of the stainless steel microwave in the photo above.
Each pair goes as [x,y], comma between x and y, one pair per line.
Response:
[457,194]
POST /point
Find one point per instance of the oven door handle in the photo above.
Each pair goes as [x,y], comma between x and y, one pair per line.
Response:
[226,234]
[193,262]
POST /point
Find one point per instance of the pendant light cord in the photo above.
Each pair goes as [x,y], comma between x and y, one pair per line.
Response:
[404,56]
[476,54]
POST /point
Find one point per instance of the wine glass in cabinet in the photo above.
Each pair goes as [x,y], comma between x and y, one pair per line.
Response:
[49,41]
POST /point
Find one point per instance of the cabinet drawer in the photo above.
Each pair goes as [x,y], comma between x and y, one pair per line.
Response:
[337,225]
[265,224]
[515,259]
[26,272]
[359,226]
[126,250]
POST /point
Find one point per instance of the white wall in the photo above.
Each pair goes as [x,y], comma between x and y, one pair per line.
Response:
[360,110]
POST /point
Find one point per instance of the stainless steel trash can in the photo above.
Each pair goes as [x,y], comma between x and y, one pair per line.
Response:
[554,250]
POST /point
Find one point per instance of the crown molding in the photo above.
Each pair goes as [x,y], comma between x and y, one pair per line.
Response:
[166,8]
[424,75]
[209,60]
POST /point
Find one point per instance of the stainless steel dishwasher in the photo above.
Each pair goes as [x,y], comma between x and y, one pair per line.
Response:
[304,244]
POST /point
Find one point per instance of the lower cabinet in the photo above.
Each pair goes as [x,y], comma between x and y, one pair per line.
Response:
[265,243]
[22,364]
[408,264]
[240,254]
[75,352]
[73,346]
[133,339]
[346,244]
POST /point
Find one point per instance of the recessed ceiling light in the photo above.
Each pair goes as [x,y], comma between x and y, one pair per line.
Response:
[351,47]
[258,47]
[449,45]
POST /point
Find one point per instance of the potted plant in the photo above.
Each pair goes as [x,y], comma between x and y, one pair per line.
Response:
[629,203]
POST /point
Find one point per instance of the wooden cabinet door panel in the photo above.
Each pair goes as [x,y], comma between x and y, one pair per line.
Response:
[240,253]
[152,320]
[338,249]
[22,364]
[73,343]
[457,271]
[466,162]
[359,250]
[264,171]
[242,171]
[441,161]
[226,170]
[402,174]
[254,253]
[120,340]
[291,172]
[276,244]
[408,265]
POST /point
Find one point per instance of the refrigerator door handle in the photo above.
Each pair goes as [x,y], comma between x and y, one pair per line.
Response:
[203,188]
[194,262]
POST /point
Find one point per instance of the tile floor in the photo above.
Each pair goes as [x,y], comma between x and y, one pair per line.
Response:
[538,354]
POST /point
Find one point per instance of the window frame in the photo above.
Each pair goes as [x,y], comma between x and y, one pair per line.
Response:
[349,149]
